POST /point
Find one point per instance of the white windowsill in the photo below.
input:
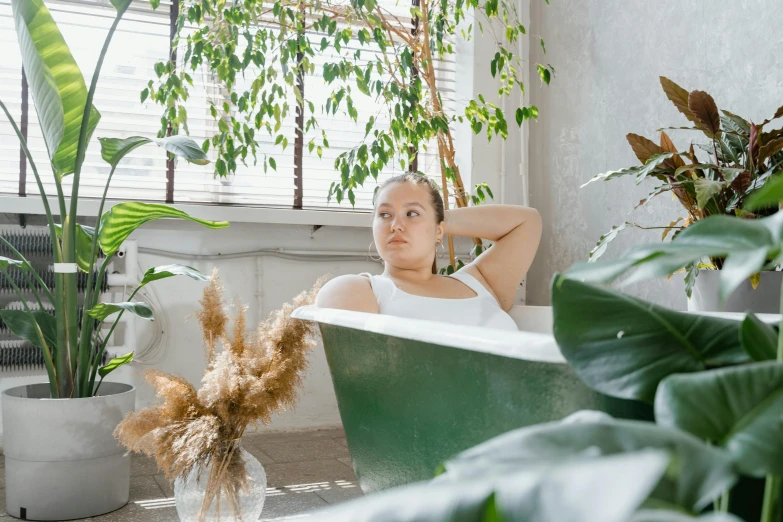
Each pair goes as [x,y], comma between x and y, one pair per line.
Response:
[236,214]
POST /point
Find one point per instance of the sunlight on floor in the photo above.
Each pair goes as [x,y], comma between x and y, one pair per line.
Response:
[159,503]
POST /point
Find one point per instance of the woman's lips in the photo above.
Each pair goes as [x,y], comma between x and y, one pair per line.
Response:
[397,241]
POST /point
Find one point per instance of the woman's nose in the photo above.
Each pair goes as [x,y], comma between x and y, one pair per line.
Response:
[396,224]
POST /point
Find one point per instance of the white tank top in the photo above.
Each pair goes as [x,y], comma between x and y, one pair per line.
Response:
[481,310]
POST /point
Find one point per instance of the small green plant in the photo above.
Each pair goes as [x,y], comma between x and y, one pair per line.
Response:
[72,351]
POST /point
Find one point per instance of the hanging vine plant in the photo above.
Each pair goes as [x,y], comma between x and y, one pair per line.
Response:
[260,52]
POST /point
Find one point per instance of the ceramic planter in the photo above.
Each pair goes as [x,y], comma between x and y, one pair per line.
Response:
[61,460]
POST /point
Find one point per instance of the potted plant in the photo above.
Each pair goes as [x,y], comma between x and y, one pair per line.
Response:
[724,377]
[261,53]
[736,160]
[81,472]
[195,436]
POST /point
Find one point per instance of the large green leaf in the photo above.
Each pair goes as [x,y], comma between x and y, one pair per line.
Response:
[57,84]
[624,346]
[770,194]
[121,220]
[84,236]
[114,149]
[748,245]
[114,364]
[18,321]
[162,272]
[758,339]
[103,310]
[704,472]
[587,489]
[738,408]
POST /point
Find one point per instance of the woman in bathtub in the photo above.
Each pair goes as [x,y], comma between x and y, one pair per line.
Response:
[409,225]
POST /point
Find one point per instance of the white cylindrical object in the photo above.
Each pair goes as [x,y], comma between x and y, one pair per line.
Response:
[79,473]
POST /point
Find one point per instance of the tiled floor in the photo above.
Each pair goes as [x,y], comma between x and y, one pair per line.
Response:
[305,471]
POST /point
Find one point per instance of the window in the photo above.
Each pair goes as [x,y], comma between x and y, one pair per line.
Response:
[141,40]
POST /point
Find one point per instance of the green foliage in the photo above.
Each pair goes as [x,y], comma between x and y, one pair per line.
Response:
[555,489]
[746,246]
[735,408]
[718,379]
[64,105]
[258,52]
[103,310]
[743,161]
[654,342]
[56,83]
[122,219]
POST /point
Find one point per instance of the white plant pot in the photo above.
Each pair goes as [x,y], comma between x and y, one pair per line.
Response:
[764,299]
[61,460]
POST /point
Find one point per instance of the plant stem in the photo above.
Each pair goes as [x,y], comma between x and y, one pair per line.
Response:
[771,491]
[780,336]
[772,487]
[90,300]
[80,349]
[99,353]
[724,501]
[92,360]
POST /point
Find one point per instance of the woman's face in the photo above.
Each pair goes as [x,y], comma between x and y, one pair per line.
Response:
[405,227]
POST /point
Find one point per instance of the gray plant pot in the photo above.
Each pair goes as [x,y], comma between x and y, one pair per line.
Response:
[764,299]
[61,460]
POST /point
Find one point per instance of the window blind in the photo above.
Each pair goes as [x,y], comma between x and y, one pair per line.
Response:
[10,94]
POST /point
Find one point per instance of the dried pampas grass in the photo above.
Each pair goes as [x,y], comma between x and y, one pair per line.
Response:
[243,385]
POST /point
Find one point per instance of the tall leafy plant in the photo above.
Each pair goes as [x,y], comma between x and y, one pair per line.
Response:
[259,53]
[718,379]
[73,351]
[737,159]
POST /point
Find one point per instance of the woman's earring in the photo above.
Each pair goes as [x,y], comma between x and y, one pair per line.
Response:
[370,255]
[442,250]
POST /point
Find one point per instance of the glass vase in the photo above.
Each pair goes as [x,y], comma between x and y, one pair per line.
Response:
[230,488]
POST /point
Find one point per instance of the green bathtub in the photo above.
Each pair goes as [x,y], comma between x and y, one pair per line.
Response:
[412,393]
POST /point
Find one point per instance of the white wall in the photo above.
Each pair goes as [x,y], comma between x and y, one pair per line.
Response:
[608,55]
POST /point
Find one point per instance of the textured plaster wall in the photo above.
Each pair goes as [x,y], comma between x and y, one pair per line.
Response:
[608,55]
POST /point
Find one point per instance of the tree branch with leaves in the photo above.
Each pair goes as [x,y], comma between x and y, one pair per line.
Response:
[388,53]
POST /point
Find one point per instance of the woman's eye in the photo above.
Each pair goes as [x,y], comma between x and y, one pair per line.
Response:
[383,214]
[413,212]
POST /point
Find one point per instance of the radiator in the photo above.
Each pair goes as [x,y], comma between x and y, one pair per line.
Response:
[17,355]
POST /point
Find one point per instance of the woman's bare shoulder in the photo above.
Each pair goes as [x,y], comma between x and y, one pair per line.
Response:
[348,292]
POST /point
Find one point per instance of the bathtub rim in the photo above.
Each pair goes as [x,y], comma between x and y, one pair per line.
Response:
[530,346]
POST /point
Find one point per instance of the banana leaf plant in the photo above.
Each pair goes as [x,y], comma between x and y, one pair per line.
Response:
[738,158]
[718,379]
[72,352]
